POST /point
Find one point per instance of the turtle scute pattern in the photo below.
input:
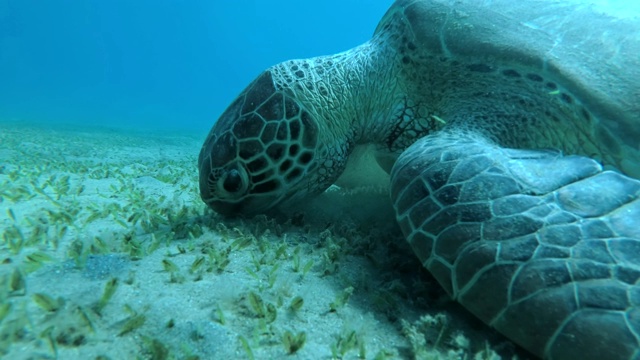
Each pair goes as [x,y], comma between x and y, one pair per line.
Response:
[542,247]
[261,144]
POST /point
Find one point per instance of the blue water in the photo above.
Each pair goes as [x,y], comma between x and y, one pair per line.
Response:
[160,63]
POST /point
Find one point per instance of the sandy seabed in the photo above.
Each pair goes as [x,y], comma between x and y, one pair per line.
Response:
[107,252]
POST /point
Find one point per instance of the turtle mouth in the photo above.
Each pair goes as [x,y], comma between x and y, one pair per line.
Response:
[249,206]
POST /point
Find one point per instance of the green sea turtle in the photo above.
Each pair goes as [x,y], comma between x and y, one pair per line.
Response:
[493,119]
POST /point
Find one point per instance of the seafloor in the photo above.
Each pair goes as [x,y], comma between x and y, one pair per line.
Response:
[107,252]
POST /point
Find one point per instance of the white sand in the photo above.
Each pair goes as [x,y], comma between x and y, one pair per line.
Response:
[105,204]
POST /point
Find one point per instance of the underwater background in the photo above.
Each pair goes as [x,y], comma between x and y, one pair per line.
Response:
[174,64]
[108,252]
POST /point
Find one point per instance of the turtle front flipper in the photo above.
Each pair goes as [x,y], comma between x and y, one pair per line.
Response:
[543,247]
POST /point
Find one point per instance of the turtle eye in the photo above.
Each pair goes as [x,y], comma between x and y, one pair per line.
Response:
[234,181]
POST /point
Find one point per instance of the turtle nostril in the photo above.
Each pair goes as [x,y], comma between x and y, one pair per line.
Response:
[232,181]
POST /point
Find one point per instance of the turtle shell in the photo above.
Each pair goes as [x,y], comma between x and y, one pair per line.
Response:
[590,50]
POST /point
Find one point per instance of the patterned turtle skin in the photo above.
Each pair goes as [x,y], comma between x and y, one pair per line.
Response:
[511,131]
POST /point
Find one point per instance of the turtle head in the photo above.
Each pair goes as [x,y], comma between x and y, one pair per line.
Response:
[258,152]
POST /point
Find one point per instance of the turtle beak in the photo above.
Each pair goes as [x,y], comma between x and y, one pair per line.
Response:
[226,208]
[246,207]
